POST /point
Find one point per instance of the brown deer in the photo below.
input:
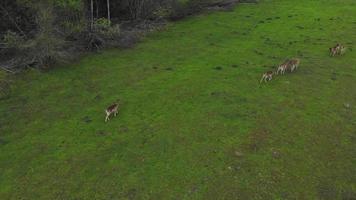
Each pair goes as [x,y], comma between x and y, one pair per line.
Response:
[342,49]
[293,64]
[267,76]
[111,110]
[282,68]
[338,49]
[334,50]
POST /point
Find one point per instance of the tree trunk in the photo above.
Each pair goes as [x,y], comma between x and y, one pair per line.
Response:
[91,14]
[108,5]
[97,8]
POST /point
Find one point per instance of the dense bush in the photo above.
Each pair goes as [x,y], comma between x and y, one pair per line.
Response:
[162,12]
[102,34]
[103,27]
[48,31]
[43,49]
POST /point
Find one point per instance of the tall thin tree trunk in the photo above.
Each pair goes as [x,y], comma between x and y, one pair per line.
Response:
[91,14]
[108,5]
[97,9]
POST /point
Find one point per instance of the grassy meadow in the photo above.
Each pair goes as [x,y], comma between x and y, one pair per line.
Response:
[194,121]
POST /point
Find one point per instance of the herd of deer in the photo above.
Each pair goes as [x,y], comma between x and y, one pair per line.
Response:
[289,65]
[292,64]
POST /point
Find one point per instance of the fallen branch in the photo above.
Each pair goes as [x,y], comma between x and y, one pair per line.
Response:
[7,70]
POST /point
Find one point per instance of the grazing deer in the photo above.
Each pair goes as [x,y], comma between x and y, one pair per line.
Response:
[267,76]
[283,67]
[337,50]
[111,110]
[334,50]
[342,49]
[293,64]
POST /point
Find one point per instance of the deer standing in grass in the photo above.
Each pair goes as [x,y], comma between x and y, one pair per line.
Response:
[342,50]
[282,68]
[267,76]
[111,110]
[293,64]
[337,50]
[334,50]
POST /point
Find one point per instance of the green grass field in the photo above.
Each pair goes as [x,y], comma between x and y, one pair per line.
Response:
[194,121]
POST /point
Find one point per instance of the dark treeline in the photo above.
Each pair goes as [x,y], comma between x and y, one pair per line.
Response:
[40,33]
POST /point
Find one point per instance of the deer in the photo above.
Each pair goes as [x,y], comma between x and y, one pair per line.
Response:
[337,50]
[342,49]
[282,68]
[111,110]
[267,76]
[293,64]
[334,50]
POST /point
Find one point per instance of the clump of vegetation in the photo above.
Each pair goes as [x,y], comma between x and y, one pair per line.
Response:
[102,34]
[49,32]
[13,40]
[42,50]
[104,28]
[162,12]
